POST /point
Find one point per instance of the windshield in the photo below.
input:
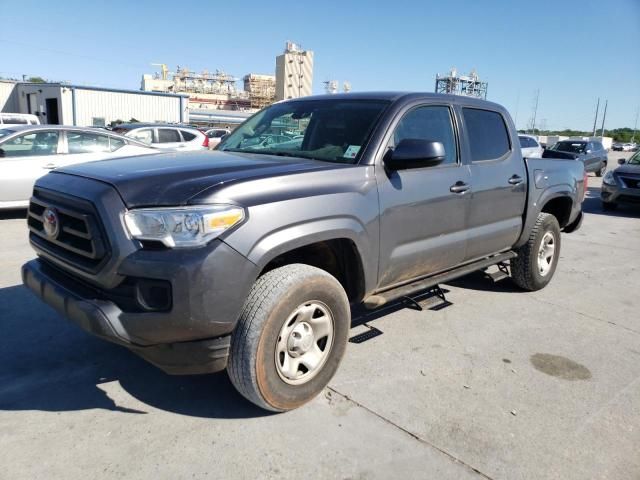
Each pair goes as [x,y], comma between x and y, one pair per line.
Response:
[573,147]
[635,159]
[329,130]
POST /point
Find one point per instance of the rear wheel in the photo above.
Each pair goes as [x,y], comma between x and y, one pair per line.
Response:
[603,169]
[290,338]
[537,259]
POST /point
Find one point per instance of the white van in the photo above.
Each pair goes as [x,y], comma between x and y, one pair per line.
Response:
[13,119]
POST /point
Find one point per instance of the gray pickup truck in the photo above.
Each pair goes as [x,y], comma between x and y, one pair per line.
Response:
[252,257]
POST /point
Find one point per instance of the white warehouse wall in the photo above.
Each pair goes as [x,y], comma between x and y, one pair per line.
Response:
[91,104]
[8,97]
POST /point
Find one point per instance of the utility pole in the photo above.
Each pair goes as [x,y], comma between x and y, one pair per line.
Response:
[595,120]
[604,116]
[535,112]
[635,126]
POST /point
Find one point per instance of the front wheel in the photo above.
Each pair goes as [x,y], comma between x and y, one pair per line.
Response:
[537,259]
[290,338]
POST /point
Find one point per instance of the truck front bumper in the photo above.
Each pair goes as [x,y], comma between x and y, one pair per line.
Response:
[192,336]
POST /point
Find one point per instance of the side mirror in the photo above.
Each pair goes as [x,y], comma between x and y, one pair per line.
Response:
[621,161]
[415,153]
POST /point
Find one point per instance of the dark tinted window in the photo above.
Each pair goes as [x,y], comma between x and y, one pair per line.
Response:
[487,132]
[526,142]
[14,120]
[569,146]
[166,135]
[429,123]
[188,136]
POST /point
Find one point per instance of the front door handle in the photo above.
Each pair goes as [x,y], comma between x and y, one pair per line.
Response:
[459,187]
[515,180]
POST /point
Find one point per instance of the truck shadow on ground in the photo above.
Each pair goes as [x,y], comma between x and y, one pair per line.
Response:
[593,204]
[19,214]
[49,364]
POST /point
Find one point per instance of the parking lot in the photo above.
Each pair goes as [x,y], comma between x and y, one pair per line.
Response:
[500,384]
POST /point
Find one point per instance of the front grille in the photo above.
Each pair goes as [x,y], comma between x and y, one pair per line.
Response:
[631,182]
[79,240]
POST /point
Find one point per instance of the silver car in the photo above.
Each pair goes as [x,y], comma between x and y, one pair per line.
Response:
[530,146]
[165,136]
[27,152]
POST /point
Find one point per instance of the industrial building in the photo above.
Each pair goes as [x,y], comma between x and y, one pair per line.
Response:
[206,90]
[467,85]
[294,72]
[261,89]
[63,104]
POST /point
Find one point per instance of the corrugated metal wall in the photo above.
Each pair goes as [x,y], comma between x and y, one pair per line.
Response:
[110,106]
[8,97]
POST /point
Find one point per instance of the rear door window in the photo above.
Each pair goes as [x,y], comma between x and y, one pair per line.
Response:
[115,143]
[487,133]
[78,142]
[168,135]
[145,135]
[188,136]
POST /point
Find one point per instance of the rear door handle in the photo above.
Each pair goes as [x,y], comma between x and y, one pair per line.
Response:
[515,180]
[459,187]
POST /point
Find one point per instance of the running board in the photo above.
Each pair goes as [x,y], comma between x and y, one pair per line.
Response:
[382,298]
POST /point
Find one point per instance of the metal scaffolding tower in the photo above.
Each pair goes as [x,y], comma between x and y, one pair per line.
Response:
[468,85]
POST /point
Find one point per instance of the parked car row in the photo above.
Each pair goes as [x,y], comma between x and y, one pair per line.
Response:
[163,136]
[591,153]
[28,152]
[625,147]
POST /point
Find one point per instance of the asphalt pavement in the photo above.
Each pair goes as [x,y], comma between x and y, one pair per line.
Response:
[499,384]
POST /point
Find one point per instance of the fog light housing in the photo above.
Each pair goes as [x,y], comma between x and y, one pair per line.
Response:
[153,295]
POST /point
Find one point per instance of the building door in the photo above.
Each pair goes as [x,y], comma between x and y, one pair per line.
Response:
[52,111]
[32,103]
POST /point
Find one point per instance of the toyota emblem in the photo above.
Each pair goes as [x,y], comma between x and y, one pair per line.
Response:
[50,222]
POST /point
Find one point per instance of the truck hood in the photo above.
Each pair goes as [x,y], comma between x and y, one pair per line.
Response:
[173,179]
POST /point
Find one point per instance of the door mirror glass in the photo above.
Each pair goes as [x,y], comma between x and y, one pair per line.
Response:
[415,153]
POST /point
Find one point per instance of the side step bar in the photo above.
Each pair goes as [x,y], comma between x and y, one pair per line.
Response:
[382,298]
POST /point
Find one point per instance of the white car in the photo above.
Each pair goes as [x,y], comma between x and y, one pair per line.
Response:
[530,146]
[165,136]
[215,136]
[14,119]
[28,152]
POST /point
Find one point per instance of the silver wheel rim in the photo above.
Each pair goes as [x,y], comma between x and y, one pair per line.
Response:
[304,343]
[546,253]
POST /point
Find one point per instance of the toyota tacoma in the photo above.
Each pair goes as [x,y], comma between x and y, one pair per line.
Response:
[251,258]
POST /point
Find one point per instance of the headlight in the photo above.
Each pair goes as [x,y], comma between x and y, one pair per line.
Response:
[608,178]
[182,226]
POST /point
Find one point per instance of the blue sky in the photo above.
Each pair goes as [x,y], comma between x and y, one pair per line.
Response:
[572,51]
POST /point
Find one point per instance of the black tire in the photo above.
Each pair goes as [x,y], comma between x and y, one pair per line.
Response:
[602,170]
[274,299]
[525,269]
[608,206]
